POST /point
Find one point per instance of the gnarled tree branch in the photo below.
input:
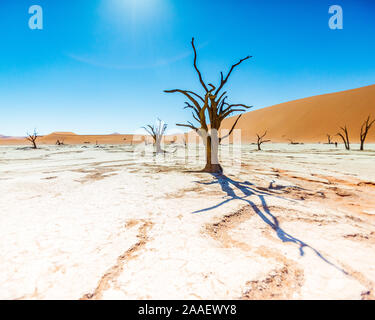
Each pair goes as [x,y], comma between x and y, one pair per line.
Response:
[217,109]
[231,130]
[224,81]
[196,68]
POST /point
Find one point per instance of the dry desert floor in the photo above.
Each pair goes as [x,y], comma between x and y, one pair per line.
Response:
[116,222]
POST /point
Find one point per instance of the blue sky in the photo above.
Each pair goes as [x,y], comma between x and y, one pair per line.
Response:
[100,66]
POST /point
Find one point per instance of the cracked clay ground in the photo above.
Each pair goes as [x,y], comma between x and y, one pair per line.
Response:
[292,222]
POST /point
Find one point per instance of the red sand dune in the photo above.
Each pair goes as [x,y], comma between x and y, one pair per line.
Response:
[311,119]
[72,138]
[305,120]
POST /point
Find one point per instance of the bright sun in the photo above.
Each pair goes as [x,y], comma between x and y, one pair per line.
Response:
[139,8]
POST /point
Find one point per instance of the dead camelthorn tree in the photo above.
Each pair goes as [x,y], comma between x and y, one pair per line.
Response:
[366,126]
[157,132]
[293,142]
[32,138]
[345,137]
[260,140]
[60,142]
[211,104]
[329,139]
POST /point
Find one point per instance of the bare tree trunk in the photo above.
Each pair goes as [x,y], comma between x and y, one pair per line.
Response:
[366,126]
[260,140]
[32,138]
[158,146]
[211,105]
[157,132]
[345,137]
[329,139]
[212,153]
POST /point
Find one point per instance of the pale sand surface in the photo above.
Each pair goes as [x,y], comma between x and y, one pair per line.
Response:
[294,222]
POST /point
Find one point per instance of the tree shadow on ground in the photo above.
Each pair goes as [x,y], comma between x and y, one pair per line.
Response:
[229,186]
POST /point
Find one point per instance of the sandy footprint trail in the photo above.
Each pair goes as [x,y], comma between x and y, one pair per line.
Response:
[97,223]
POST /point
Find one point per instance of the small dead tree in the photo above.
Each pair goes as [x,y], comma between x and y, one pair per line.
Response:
[294,142]
[260,140]
[60,142]
[345,137]
[157,132]
[212,105]
[329,138]
[32,138]
[366,126]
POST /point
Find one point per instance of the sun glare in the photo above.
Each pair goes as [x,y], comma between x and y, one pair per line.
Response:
[139,8]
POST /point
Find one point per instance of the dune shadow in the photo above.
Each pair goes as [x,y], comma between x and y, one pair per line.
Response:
[229,186]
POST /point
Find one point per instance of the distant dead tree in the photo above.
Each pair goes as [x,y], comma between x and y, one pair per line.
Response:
[32,138]
[157,132]
[293,142]
[212,104]
[174,140]
[345,137]
[366,126]
[261,141]
[329,138]
[60,143]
